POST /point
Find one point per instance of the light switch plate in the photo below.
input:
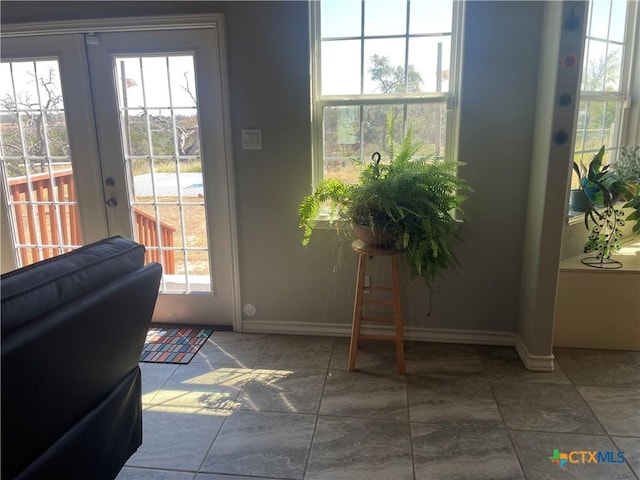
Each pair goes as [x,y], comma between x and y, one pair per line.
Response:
[252,139]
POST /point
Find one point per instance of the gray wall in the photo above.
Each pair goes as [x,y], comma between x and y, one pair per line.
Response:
[269,86]
[501,48]
[549,176]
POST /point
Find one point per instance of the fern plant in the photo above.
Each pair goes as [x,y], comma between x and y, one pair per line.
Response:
[413,201]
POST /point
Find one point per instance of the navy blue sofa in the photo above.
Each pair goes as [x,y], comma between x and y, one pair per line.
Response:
[73,328]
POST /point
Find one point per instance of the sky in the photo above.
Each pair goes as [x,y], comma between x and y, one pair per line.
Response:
[341,59]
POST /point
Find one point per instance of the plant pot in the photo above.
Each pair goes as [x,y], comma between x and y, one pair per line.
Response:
[578,200]
[373,238]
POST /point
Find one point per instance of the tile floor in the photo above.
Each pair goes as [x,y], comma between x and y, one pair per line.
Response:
[285,407]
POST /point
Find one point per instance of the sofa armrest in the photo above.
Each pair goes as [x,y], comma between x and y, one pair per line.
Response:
[32,291]
[60,367]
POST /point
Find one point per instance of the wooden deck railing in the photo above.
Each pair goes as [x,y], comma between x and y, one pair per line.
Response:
[64,228]
[146,229]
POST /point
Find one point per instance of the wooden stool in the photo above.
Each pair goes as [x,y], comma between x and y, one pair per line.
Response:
[365,252]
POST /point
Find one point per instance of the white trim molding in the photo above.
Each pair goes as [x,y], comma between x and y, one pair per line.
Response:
[117,24]
[536,363]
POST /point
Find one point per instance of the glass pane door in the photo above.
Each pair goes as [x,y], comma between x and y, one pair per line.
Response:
[52,199]
[158,107]
[167,182]
[105,136]
[36,162]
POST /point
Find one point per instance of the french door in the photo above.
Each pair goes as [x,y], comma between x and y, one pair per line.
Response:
[123,133]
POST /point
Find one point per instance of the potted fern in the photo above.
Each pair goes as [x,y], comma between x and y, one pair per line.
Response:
[406,204]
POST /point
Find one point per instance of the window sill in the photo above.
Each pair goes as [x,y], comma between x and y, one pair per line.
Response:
[574,216]
[324,222]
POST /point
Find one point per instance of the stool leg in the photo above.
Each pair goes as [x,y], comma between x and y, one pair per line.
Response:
[357,311]
[397,314]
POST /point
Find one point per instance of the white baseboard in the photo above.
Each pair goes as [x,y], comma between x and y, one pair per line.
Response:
[537,363]
[296,328]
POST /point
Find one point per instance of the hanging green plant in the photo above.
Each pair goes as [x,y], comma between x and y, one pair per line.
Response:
[409,204]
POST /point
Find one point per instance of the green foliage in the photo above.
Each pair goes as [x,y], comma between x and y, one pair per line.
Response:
[634,216]
[628,163]
[604,186]
[348,129]
[392,79]
[627,171]
[412,200]
[331,190]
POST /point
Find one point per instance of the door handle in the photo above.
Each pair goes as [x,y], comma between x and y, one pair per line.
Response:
[111,202]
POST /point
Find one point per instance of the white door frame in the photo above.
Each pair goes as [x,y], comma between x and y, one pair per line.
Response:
[69,50]
[215,21]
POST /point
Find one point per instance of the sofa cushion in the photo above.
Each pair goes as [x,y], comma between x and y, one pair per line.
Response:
[31,291]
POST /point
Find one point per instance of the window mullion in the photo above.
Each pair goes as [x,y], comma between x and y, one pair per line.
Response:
[606,52]
[362,12]
[598,95]
[347,127]
[406,50]
[386,100]
[361,114]
[631,41]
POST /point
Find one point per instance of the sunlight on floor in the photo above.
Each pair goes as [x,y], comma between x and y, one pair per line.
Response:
[216,390]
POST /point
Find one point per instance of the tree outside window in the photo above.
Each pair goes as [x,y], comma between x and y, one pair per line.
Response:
[375,62]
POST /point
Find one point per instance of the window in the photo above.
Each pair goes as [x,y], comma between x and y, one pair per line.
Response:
[376,63]
[607,81]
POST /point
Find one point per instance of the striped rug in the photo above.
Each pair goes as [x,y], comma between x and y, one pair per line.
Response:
[173,344]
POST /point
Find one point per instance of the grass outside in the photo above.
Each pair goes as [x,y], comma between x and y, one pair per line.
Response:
[347,171]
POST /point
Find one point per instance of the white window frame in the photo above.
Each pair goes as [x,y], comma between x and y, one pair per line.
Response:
[319,101]
[627,126]
[631,117]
